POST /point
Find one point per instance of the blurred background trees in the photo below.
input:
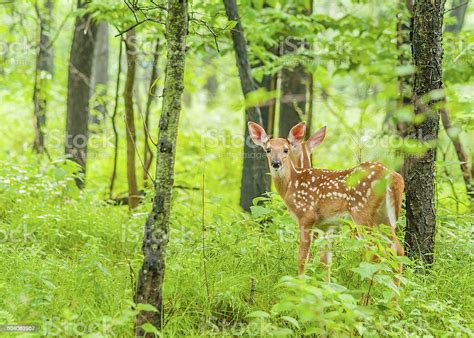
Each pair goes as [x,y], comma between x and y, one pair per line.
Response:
[78,90]
[43,72]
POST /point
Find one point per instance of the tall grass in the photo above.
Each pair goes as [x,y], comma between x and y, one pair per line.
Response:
[70,261]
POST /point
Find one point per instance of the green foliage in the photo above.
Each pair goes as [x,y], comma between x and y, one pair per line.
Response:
[73,260]
[70,260]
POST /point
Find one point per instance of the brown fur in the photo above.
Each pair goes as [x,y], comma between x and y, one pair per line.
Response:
[315,196]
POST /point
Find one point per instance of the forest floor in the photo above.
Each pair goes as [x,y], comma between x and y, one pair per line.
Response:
[70,263]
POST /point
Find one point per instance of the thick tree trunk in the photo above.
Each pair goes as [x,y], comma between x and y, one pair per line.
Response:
[130,44]
[458,11]
[78,96]
[294,82]
[148,154]
[255,181]
[419,169]
[43,75]
[150,281]
[101,72]
[269,82]
[296,87]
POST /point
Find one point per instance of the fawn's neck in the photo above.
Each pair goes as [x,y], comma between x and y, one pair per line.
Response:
[282,180]
[305,156]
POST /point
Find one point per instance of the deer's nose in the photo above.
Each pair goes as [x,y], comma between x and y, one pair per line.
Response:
[276,164]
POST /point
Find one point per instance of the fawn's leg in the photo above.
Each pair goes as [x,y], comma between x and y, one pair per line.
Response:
[326,255]
[399,250]
[361,219]
[394,244]
[305,244]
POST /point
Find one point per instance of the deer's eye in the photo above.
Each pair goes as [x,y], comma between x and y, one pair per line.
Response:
[267,150]
[285,150]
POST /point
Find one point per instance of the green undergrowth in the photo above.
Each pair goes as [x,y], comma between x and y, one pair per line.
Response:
[70,260]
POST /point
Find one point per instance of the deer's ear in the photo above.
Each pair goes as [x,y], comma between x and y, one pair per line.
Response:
[257,133]
[317,138]
[296,134]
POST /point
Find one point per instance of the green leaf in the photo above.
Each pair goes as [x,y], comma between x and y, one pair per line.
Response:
[436,94]
[355,177]
[405,70]
[146,307]
[149,328]
[291,320]
[380,186]
[258,211]
[366,270]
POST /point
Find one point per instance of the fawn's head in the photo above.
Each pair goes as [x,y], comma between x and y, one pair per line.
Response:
[281,151]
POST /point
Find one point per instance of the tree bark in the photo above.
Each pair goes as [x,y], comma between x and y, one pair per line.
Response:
[254,181]
[78,96]
[148,154]
[150,281]
[101,72]
[130,47]
[296,87]
[43,75]
[114,125]
[405,82]
[269,82]
[295,83]
[459,8]
[427,53]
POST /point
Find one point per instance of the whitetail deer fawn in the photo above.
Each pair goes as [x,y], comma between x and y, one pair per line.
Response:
[369,193]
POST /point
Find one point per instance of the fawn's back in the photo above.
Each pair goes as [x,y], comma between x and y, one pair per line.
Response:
[320,195]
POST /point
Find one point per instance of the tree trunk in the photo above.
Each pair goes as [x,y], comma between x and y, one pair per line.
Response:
[150,281]
[130,46]
[148,154]
[211,86]
[43,75]
[255,181]
[101,72]
[460,152]
[114,125]
[419,169]
[78,96]
[458,11]
[296,88]
[405,82]
[269,82]
[294,84]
